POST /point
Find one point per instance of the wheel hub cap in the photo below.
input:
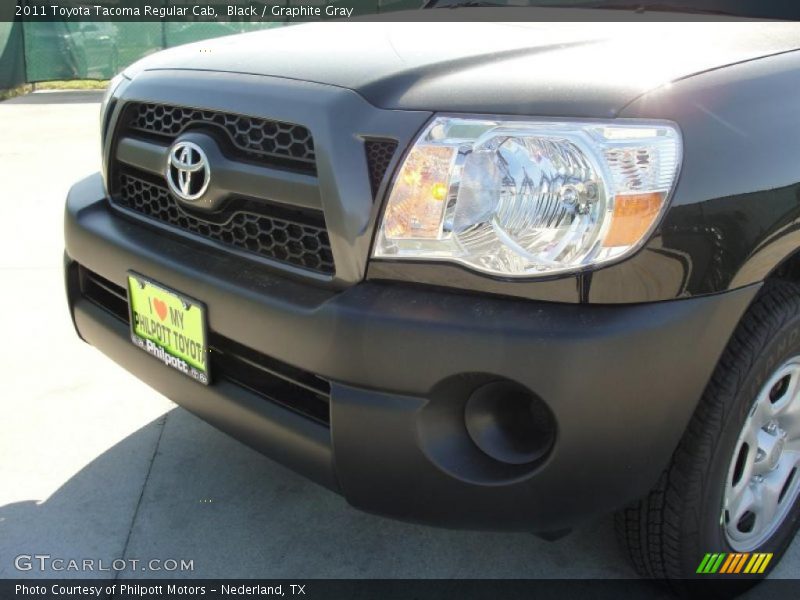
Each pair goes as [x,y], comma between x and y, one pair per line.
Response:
[763,481]
[775,454]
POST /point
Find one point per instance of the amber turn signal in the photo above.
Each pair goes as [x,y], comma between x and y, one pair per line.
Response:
[633,216]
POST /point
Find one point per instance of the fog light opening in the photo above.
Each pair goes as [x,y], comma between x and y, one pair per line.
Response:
[509,423]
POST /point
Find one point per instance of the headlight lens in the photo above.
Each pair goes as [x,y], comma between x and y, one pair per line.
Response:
[522,198]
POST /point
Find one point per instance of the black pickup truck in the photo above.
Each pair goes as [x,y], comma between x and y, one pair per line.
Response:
[477,275]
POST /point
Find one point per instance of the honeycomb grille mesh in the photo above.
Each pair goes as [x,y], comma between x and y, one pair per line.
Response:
[272,142]
[379,155]
[286,240]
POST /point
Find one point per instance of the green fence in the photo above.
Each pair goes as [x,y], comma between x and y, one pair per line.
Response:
[12,60]
[98,50]
[33,51]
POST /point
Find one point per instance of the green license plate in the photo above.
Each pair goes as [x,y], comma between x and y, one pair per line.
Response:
[169,326]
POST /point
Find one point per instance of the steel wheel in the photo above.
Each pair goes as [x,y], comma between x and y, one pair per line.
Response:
[763,481]
[733,484]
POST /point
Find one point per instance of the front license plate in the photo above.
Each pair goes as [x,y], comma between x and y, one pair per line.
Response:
[169,326]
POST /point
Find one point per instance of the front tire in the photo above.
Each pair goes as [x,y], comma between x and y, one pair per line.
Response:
[733,483]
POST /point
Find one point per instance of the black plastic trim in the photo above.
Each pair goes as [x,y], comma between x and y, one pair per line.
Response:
[288,438]
[402,359]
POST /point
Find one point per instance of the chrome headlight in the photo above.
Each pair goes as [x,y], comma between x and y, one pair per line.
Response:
[526,198]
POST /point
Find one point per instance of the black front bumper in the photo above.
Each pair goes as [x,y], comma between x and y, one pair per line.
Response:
[620,381]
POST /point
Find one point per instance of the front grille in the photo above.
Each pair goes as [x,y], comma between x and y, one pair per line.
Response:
[270,231]
[270,142]
[379,155]
[293,388]
[257,227]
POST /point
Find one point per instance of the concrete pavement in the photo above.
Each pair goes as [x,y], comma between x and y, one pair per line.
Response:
[94,464]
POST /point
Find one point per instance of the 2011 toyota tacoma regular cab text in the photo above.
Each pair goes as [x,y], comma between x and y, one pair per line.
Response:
[473,275]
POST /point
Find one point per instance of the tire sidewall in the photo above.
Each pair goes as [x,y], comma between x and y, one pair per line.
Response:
[780,345]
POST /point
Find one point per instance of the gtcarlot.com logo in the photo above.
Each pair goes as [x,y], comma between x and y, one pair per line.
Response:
[734,563]
[46,562]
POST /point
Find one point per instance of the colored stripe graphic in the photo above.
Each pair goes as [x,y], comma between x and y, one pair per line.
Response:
[711,563]
[767,558]
[703,563]
[753,564]
[729,562]
[733,563]
[718,563]
[758,564]
[741,562]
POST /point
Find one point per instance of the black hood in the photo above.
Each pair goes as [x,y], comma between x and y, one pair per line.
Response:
[557,69]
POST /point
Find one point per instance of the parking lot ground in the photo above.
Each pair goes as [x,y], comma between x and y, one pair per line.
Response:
[94,464]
